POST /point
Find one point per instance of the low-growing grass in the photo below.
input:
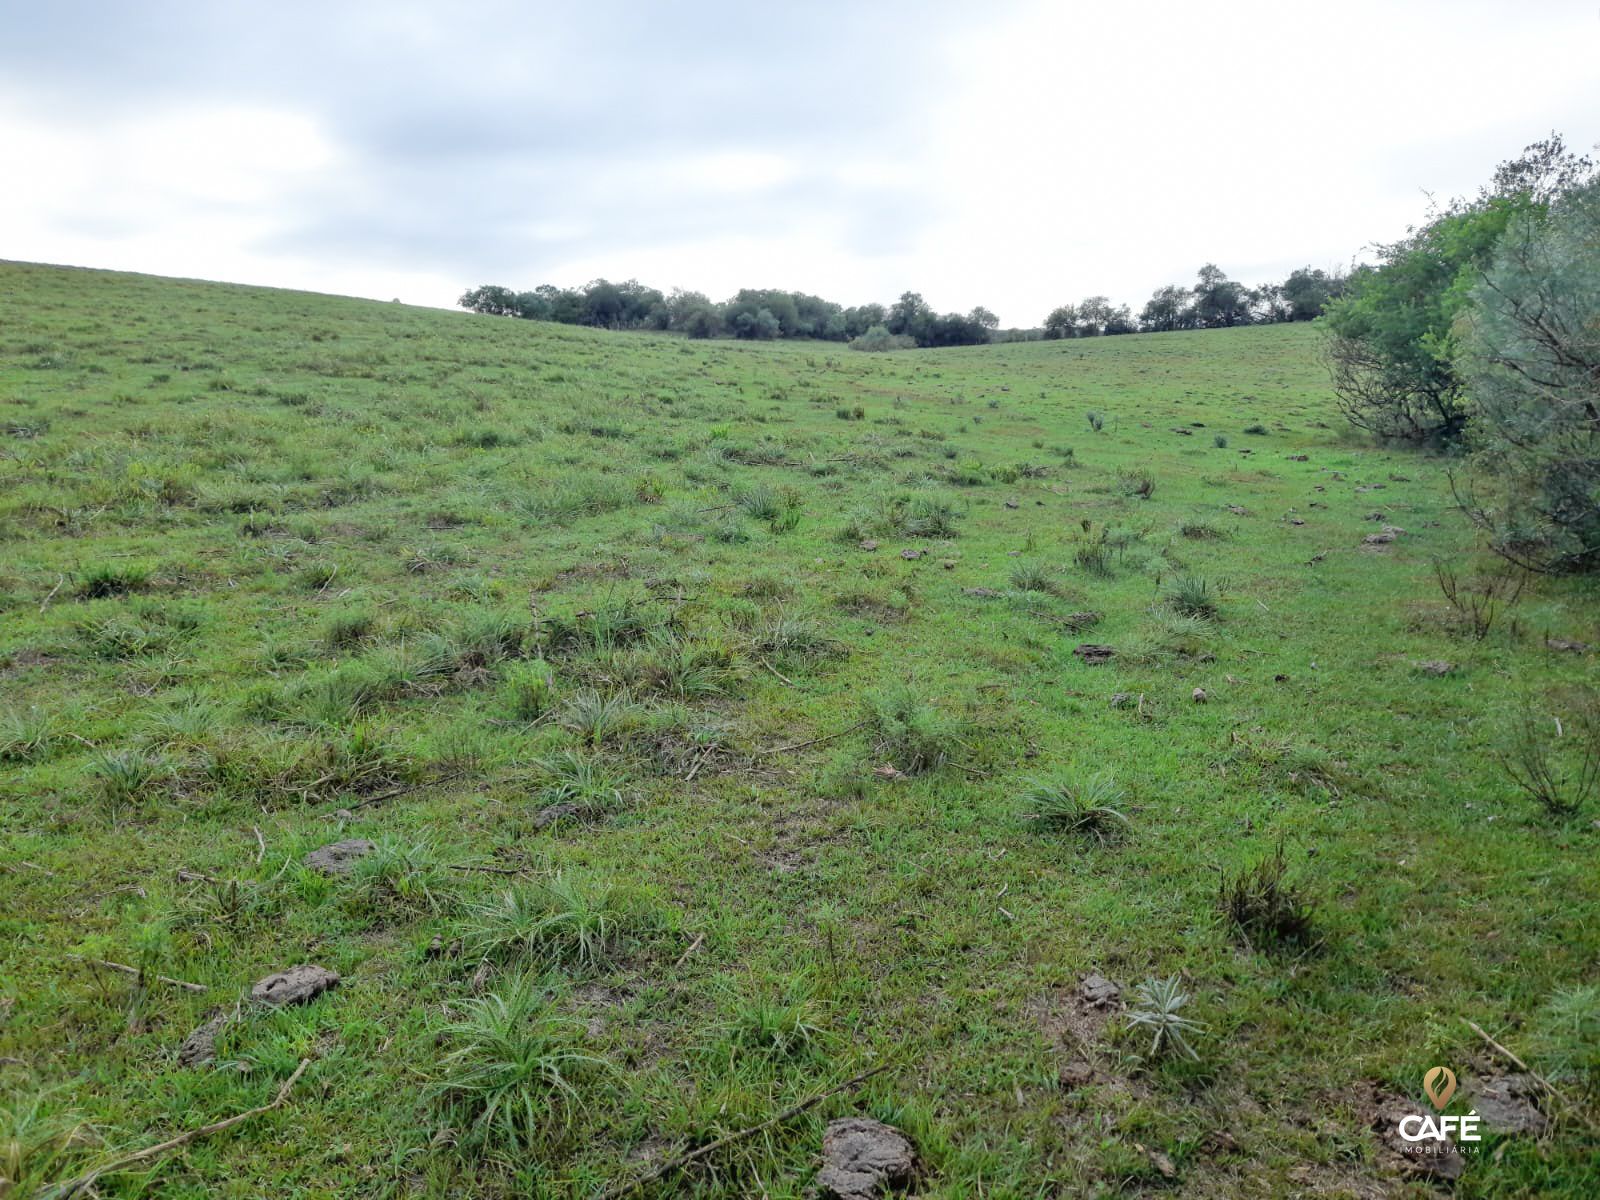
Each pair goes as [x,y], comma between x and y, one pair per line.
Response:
[708,720]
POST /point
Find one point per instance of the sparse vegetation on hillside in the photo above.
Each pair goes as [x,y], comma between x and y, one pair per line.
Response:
[654,734]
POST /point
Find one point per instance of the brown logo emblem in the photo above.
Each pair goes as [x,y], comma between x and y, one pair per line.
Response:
[1440,1084]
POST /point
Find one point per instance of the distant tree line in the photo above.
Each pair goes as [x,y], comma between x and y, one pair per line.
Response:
[757,314]
[761,314]
[1213,302]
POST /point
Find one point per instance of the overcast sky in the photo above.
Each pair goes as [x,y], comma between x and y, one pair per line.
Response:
[1010,153]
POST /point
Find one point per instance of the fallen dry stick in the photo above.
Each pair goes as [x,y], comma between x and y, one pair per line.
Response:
[693,946]
[695,770]
[1532,1074]
[827,737]
[776,672]
[60,582]
[404,789]
[125,969]
[87,1180]
[683,1160]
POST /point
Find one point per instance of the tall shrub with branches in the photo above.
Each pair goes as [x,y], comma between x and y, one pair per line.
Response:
[1392,338]
[1530,353]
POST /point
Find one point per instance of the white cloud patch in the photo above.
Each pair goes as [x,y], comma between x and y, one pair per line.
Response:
[1016,155]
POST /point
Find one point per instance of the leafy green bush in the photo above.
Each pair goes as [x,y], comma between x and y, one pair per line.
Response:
[878,339]
[1531,360]
[1392,336]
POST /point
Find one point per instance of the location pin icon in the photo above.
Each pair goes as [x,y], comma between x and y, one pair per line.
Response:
[1440,1084]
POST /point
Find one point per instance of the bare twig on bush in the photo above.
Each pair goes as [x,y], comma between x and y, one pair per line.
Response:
[1532,762]
[1479,600]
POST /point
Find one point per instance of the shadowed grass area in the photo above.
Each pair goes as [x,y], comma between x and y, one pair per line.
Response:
[639,666]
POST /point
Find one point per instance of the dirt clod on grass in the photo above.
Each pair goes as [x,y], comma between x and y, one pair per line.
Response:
[1435,1160]
[862,1158]
[1508,1104]
[200,1047]
[338,858]
[1099,992]
[297,985]
[554,814]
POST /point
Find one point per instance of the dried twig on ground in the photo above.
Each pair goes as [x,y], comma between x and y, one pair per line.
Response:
[125,969]
[827,737]
[1532,1074]
[87,1180]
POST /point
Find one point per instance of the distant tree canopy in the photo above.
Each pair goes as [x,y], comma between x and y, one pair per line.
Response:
[762,314]
[757,314]
[1213,301]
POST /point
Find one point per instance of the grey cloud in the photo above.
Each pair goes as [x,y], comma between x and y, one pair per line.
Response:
[459,132]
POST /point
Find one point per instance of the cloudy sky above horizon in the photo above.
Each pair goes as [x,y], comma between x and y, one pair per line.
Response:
[1018,154]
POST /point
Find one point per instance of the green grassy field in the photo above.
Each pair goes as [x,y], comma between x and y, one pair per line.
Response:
[693,694]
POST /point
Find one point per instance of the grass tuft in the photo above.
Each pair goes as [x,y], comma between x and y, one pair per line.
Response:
[1266,909]
[910,733]
[1081,807]
[567,921]
[513,1076]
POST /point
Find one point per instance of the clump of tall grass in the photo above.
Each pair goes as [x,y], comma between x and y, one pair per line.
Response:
[792,637]
[613,623]
[514,1076]
[404,875]
[29,734]
[684,669]
[1083,807]
[112,579]
[775,1024]
[1034,577]
[598,718]
[581,781]
[126,777]
[42,1143]
[1192,596]
[929,515]
[1265,908]
[909,732]
[1136,482]
[569,920]
[527,689]
[347,630]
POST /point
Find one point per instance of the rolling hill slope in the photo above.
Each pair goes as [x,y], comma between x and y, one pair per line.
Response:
[701,702]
